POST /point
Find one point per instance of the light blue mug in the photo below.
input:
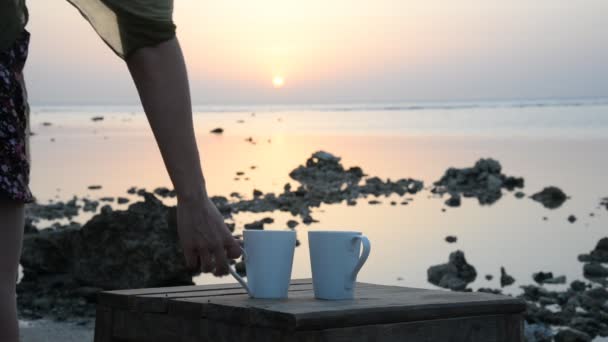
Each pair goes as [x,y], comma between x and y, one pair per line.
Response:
[336,259]
[268,256]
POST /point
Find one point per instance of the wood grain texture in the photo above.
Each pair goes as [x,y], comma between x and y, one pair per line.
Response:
[122,299]
[495,328]
[374,305]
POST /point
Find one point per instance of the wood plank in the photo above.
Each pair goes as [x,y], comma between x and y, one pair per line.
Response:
[494,328]
[195,307]
[158,303]
[120,298]
[374,305]
[468,329]
[136,326]
[103,324]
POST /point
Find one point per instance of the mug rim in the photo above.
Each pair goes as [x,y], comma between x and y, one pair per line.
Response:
[334,232]
[249,231]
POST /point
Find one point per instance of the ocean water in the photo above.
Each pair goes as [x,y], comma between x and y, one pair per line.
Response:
[561,143]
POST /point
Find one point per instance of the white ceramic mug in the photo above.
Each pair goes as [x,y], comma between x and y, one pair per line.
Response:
[268,256]
[336,260]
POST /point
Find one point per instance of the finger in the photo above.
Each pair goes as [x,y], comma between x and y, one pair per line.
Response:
[233,248]
[191,259]
[221,263]
[205,260]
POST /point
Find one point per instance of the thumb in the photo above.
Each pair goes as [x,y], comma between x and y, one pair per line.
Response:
[233,248]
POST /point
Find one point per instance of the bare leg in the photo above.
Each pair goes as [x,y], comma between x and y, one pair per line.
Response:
[11,236]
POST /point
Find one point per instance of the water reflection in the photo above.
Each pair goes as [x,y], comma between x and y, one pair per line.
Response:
[407,239]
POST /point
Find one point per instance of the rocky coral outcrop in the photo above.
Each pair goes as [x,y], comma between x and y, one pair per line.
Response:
[505,279]
[454,275]
[548,278]
[322,179]
[550,197]
[134,248]
[483,181]
[593,268]
[598,254]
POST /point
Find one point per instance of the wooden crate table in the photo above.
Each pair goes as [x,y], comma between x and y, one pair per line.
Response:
[224,313]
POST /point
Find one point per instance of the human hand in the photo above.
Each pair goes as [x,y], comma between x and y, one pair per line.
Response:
[205,239]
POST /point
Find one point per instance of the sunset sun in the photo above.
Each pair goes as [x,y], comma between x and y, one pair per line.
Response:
[278,81]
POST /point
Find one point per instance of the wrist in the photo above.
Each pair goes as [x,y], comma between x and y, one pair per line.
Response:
[192,194]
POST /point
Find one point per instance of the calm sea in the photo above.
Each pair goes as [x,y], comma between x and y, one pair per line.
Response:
[560,143]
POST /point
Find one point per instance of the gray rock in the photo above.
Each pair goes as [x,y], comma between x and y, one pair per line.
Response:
[556,280]
[451,239]
[241,269]
[122,200]
[255,225]
[537,333]
[572,335]
[540,277]
[89,293]
[29,227]
[454,275]
[599,254]
[327,157]
[165,192]
[115,250]
[595,270]
[52,211]
[483,181]
[550,197]
[505,279]
[89,205]
[453,201]
[578,286]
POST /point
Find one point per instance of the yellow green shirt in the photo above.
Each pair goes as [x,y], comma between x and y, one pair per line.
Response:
[125,25]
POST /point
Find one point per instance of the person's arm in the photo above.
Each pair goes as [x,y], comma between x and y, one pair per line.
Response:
[161,79]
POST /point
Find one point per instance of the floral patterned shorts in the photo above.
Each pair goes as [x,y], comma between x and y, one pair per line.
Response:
[14,111]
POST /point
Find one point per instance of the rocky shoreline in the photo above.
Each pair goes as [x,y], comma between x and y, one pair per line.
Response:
[66,266]
[580,312]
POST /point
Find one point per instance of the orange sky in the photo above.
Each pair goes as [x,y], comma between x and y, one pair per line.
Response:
[342,51]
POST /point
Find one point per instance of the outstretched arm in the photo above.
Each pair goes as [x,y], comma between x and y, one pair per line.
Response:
[161,79]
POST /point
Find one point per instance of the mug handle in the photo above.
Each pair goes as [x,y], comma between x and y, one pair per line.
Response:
[367,246]
[238,277]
